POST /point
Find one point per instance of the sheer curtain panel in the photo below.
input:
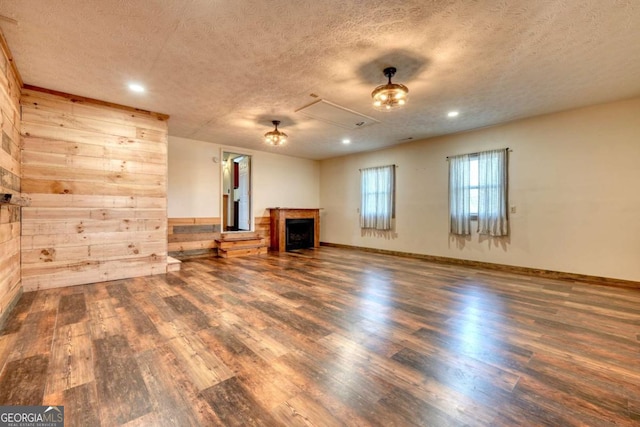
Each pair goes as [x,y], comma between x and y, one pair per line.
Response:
[377,192]
[459,195]
[492,194]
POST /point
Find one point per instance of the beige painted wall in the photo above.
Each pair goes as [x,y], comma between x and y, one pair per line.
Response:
[574,180]
[277,180]
[194,179]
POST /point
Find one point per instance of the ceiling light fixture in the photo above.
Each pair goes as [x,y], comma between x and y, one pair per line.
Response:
[391,95]
[346,141]
[275,137]
[135,87]
[453,114]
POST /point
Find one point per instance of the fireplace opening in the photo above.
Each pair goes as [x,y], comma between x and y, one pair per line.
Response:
[299,233]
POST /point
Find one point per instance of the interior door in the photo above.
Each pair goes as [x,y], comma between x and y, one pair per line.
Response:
[244,205]
[236,192]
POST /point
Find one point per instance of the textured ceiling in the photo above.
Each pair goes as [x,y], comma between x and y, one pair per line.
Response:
[224,69]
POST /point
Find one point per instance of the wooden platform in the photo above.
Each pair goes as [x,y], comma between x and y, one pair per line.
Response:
[327,337]
[233,245]
[173,264]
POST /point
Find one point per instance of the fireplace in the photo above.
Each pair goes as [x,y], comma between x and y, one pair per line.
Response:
[299,233]
[305,228]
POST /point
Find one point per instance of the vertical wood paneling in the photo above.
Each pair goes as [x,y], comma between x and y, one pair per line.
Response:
[10,182]
[96,177]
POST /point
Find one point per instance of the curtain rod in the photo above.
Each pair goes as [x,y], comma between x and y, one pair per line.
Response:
[395,166]
[475,154]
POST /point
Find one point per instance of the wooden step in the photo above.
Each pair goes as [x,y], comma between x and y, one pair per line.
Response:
[233,245]
[239,243]
[173,264]
[242,251]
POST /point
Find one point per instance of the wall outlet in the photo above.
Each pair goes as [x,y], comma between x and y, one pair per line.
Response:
[513,209]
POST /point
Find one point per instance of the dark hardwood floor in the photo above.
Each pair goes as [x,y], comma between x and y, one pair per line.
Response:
[327,337]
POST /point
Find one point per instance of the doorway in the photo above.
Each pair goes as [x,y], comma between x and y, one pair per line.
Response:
[236,191]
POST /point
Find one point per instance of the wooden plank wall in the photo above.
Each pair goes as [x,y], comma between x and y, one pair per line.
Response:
[196,237]
[10,182]
[263,227]
[96,175]
[193,237]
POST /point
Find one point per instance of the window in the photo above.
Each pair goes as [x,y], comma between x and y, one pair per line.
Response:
[478,190]
[377,190]
[473,186]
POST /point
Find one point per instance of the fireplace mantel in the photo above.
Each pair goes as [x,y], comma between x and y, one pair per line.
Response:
[279,218]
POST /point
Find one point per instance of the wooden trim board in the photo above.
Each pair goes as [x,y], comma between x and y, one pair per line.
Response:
[7,52]
[84,100]
[9,308]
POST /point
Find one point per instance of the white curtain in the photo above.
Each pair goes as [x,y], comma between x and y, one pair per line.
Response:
[459,195]
[492,193]
[377,188]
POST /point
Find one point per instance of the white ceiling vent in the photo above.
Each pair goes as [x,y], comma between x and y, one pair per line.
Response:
[334,114]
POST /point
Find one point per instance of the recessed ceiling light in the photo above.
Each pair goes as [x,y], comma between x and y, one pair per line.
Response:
[135,87]
[346,141]
[453,114]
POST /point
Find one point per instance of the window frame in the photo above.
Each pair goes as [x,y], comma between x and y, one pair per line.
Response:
[379,192]
[491,208]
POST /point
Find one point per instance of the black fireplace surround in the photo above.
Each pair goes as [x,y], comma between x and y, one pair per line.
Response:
[299,233]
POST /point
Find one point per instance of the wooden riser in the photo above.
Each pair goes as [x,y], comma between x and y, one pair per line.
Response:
[222,244]
[173,264]
[173,267]
[239,245]
[240,252]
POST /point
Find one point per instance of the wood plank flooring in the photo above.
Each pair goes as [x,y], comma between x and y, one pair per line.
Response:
[327,337]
